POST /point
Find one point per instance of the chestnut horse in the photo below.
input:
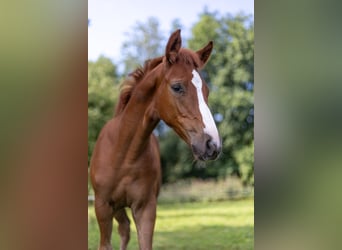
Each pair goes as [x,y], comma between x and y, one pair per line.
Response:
[125,166]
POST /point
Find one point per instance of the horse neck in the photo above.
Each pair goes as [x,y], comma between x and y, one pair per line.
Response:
[139,118]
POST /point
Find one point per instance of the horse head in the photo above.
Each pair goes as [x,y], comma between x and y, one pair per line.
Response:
[183,98]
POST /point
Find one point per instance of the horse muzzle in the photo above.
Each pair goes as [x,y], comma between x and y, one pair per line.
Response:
[206,148]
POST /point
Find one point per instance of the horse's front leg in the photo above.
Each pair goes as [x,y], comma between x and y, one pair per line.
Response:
[104,215]
[145,217]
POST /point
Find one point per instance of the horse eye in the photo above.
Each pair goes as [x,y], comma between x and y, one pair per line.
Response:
[177,88]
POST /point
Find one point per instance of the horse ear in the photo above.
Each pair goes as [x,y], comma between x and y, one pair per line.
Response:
[173,46]
[205,52]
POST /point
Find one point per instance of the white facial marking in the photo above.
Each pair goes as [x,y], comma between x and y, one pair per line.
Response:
[208,120]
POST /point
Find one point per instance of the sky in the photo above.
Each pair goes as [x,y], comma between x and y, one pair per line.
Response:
[110,19]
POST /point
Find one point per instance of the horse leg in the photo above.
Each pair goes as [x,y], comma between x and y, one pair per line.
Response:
[123,228]
[104,215]
[145,218]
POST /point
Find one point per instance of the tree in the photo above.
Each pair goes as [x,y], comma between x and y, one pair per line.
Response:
[144,42]
[230,72]
[102,95]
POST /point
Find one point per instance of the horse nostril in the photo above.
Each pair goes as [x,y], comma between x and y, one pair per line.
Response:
[211,147]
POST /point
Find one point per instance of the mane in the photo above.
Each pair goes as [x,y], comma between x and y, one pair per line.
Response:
[128,85]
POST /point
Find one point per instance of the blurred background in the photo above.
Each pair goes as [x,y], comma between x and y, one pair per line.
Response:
[119,43]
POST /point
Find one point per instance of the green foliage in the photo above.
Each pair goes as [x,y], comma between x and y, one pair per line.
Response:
[232,96]
[175,157]
[244,157]
[102,94]
[193,226]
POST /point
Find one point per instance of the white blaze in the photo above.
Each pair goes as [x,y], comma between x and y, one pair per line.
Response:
[208,120]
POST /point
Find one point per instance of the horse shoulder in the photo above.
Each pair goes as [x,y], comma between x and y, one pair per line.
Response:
[101,160]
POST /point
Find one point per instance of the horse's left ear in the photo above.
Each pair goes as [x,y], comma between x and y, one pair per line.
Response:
[204,53]
[173,46]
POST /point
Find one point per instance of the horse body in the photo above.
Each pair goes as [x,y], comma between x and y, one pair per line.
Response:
[125,166]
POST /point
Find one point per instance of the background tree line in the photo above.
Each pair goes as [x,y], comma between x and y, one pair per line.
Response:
[229,73]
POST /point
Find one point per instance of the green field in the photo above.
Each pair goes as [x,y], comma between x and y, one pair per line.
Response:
[214,225]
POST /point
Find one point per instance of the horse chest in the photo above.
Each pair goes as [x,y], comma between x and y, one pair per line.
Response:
[138,182]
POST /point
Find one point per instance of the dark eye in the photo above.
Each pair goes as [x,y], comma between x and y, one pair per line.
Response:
[177,88]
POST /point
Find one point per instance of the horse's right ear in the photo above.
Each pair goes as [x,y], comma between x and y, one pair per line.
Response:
[204,53]
[173,46]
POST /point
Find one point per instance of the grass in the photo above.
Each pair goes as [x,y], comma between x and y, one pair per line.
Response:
[225,225]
